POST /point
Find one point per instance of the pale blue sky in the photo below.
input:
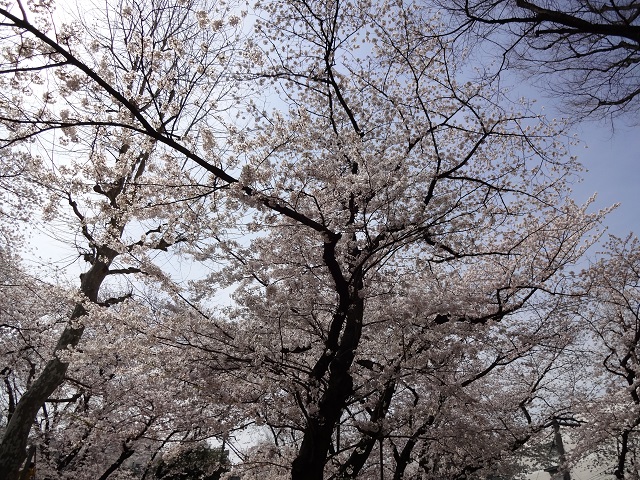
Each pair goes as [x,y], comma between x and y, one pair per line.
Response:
[608,149]
[612,159]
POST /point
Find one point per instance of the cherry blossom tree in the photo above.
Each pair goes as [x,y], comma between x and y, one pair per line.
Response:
[129,395]
[610,406]
[103,184]
[121,391]
[431,220]
[396,240]
[31,316]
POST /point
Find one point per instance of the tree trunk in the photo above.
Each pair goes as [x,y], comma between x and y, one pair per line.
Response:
[311,459]
[13,449]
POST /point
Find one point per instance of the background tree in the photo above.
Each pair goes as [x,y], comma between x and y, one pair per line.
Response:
[585,51]
[611,407]
[149,63]
[32,312]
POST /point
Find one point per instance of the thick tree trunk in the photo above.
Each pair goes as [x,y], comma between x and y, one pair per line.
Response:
[13,449]
[309,464]
[14,441]
[312,457]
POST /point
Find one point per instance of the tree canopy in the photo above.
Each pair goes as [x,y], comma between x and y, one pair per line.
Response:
[298,224]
